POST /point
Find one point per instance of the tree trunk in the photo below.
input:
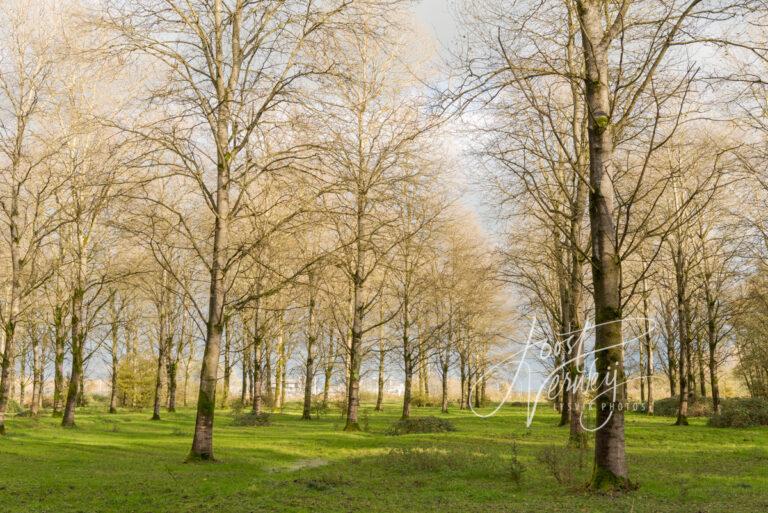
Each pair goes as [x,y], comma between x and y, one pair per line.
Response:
[59,341]
[358,303]
[682,322]
[227,366]
[408,383]
[610,467]
[328,369]
[462,379]
[78,343]
[444,387]
[280,370]
[172,371]
[257,359]
[700,361]
[161,348]
[202,442]
[380,388]
[309,370]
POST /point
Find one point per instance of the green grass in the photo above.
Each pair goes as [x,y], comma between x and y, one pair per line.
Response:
[126,463]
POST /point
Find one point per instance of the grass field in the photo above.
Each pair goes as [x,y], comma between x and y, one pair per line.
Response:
[127,463]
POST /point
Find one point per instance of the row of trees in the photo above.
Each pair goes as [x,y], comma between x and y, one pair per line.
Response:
[238,184]
[607,152]
[248,189]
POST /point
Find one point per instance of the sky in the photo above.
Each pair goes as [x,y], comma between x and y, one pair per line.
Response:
[437,15]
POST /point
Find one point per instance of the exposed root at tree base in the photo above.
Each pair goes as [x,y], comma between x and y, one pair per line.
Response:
[352,427]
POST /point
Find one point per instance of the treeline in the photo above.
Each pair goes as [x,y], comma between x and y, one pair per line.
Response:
[201,193]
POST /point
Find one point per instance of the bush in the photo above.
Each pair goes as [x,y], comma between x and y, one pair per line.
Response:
[700,407]
[12,407]
[565,464]
[421,401]
[250,419]
[421,425]
[516,467]
[741,412]
[236,405]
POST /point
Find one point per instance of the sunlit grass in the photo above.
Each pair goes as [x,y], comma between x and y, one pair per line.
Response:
[127,463]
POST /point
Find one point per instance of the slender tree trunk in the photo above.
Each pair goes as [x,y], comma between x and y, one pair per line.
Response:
[329,363]
[380,388]
[22,375]
[161,348]
[187,368]
[37,375]
[257,358]
[78,343]
[172,371]
[408,384]
[280,370]
[59,341]
[444,387]
[113,368]
[309,369]
[202,443]
[227,366]
[462,378]
[358,302]
[671,356]
[682,322]
[700,361]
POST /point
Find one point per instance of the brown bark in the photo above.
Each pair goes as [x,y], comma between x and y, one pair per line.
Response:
[76,373]
[59,341]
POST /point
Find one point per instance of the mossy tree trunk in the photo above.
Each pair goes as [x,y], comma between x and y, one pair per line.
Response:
[610,466]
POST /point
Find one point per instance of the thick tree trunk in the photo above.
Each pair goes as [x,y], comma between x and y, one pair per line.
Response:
[610,466]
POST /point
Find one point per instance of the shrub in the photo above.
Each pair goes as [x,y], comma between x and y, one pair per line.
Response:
[236,405]
[741,412]
[421,425]
[564,463]
[250,419]
[516,467]
[421,401]
[12,406]
[699,407]
[98,399]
